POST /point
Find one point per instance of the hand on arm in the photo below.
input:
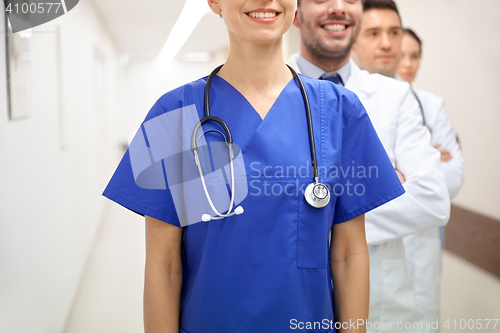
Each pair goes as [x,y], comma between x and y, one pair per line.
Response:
[451,154]
[163,277]
[401,177]
[349,264]
[445,154]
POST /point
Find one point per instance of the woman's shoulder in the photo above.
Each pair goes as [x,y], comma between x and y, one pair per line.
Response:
[329,90]
[332,96]
[185,95]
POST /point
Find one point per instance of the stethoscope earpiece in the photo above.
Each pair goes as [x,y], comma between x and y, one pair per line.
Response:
[237,211]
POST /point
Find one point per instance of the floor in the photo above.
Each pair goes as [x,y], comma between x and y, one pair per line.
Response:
[110,296]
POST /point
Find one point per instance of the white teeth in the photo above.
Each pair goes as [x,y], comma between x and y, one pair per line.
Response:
[263,15]
[334,27]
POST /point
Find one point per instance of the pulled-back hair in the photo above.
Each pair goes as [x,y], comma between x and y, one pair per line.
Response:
[412,33]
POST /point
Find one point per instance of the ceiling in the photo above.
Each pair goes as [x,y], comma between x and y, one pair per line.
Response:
[140,28]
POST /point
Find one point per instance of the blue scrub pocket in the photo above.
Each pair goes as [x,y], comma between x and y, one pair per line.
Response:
[313,228]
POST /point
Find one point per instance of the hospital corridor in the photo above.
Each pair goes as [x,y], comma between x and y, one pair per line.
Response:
[98,102]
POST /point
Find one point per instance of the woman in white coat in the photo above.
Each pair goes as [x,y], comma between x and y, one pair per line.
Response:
[434,113]
[423,250]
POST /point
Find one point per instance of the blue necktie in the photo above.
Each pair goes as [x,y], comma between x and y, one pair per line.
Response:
[334,78]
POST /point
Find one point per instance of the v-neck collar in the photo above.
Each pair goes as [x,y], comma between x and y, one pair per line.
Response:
[250,104]
[243,120]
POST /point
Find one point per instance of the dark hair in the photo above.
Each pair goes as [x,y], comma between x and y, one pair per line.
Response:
[380,4]
[414,35]
[299,1]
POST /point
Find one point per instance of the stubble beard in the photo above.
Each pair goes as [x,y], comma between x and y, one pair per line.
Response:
[322,53]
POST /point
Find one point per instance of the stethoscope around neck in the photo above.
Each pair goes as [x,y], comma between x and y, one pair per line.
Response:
[316,193]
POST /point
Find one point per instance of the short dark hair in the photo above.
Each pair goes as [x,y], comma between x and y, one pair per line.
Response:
[412,33]
[380,4]
[299,1]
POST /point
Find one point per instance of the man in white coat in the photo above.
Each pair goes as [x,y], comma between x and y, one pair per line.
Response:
[382,46]
[328,30]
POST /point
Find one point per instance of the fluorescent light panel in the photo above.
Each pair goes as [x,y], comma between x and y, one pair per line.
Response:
[191,14]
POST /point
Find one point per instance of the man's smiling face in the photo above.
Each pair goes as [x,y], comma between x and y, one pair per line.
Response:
[329,28]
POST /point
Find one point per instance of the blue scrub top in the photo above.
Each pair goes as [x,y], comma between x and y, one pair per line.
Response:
[268,269]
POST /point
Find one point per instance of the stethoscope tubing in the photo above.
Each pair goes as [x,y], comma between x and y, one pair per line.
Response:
[310,196]
[231,157]
[312,145]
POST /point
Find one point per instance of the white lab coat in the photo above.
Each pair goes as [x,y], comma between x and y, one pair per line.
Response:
[423,249]
[396,117]
[442,132]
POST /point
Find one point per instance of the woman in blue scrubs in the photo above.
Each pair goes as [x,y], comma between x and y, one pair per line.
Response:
[269,269]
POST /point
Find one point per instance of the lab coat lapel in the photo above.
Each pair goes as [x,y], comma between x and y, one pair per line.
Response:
[358,82]
[362,84]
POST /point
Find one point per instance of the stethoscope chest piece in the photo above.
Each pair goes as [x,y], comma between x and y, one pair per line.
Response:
[317,195]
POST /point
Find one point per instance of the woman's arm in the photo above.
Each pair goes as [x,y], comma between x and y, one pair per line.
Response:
[163,277]
[349,264]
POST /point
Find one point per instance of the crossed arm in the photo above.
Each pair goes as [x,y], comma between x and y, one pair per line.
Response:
[426,203]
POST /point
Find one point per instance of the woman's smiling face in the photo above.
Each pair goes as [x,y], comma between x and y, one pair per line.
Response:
[257,21]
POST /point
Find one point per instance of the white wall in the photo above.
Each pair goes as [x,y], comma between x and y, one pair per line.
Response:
[145,81]
[461,63]
[467,292]
[51,184]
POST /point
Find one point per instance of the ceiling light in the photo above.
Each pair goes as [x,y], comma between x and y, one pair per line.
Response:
[191,14]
